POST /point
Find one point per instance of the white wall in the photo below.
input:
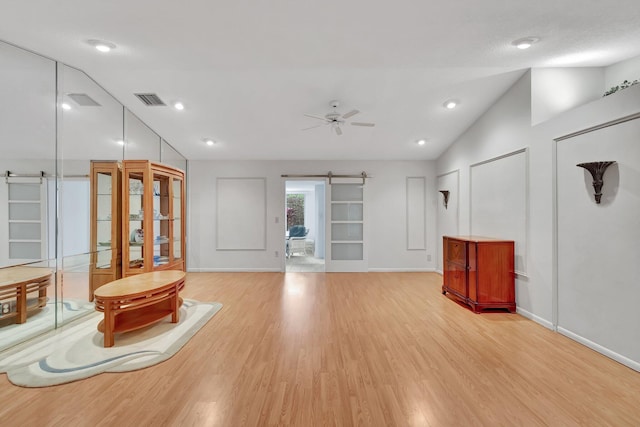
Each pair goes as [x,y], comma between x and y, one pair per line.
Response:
[556,90]
[385,213]
[310,213]
[447,216]
[75,216]
[320,221]
[598,249]
[505,128]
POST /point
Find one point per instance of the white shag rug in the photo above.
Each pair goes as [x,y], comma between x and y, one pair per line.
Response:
[76,351]
[44,320]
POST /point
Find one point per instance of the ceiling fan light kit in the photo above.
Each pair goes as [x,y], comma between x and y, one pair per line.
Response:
[335,119]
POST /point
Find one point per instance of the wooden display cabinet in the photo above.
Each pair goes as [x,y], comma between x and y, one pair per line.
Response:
[153,215]
[479,271]
[106,224]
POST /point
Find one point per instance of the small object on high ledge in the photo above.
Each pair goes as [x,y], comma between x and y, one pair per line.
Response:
[597,172]
[445,193]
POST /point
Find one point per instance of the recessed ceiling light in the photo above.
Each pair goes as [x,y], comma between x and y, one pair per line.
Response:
[102,46]
[65,106]
[178,106]
[421,142]
[525,43]
[120,142]
[209,142]
[451,104]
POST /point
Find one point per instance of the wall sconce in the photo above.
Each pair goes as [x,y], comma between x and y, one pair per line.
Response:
[445,193]
[597,172]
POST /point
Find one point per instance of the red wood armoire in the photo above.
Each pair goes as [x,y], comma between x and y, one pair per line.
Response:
[479,271]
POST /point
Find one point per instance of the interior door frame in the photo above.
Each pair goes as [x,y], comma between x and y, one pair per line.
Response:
[283,227]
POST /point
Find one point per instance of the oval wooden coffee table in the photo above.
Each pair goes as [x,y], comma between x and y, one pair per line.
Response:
[138,301]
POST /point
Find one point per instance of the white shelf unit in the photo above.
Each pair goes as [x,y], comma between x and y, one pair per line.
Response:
[347,222]
[25,221]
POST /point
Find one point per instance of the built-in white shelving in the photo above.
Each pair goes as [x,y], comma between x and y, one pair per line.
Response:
[347,222]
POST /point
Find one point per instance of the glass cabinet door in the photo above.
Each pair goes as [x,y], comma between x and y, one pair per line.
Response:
[177,219]
[134,221]
[104,220]
[106,224]
[161,219]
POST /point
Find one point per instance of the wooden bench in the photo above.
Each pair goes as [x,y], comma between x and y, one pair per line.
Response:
[138,301]
[17,282]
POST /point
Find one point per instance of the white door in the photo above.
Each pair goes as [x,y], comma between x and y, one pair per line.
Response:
[346,227]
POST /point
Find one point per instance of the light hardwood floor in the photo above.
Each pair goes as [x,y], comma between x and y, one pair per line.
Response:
[373,349]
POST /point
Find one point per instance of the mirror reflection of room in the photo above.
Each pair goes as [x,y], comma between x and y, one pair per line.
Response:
[304,237]
[58,130]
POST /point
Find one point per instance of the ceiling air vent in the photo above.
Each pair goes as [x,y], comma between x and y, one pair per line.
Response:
[149,99]
[83,100]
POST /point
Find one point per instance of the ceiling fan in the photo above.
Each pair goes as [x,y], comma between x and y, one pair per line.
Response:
[335,119]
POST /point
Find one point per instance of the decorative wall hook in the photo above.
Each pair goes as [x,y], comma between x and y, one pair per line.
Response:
[445,193]
[597,172]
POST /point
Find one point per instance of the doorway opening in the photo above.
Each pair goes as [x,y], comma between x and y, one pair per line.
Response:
[305,226]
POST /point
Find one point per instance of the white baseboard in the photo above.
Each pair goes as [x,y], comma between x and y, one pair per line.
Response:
[600,349]
[401,270]
[277,270]
[544,322]
[439,272]
[234,270]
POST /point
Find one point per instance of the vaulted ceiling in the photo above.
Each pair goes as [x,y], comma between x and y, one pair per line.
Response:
[247,71]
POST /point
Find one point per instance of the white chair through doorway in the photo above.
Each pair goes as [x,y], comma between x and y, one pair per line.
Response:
[296,244]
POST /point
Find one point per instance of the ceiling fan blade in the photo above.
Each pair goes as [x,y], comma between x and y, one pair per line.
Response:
[318,117]
[316,126]
[338,130]
[363,124]
[350,113]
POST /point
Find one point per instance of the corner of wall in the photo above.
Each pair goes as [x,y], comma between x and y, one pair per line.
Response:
[556,90]
[621,71]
